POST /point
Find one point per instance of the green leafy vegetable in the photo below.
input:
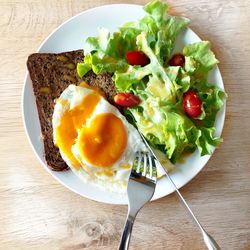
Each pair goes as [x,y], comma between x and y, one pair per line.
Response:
[160,116]
[199,58]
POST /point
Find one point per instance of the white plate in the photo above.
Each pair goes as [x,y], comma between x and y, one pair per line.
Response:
[70,36]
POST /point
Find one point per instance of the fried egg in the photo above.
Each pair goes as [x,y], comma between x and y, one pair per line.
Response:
[94,138]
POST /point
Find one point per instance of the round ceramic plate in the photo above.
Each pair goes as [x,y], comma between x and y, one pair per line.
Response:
[71,36]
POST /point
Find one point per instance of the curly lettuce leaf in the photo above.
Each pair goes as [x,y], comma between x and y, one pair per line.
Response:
[199,57]
[83,68]
[206,141]
[157,9]
[168,29]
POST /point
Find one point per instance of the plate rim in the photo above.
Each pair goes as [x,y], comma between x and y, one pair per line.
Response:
[223,110]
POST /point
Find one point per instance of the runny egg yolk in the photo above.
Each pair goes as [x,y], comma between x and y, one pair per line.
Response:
[104,141]
[71,122]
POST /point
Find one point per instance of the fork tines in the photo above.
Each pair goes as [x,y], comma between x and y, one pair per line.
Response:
[144,165]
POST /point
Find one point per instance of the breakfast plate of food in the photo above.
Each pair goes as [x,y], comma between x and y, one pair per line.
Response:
[92,84]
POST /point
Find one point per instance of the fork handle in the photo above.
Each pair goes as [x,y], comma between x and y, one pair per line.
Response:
[210,242]
[126,235]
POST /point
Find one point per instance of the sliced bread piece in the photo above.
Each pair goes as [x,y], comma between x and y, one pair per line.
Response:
[50,75]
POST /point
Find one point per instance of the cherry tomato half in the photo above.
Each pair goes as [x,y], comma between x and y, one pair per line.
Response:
[177,60]
[127,100]
[192,104]
[137,58]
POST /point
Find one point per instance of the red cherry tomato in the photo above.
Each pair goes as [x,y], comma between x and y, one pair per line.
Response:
[137,58]
[192,104]
[127,100]
[177,60]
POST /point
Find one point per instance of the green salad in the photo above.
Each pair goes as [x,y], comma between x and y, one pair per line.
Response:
[166,96]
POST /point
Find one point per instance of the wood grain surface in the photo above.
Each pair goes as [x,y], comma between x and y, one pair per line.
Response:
[36,212]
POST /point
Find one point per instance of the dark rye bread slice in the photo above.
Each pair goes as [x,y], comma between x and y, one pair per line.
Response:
[50,75]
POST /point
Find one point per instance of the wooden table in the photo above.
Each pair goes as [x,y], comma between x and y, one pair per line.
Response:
[39,213]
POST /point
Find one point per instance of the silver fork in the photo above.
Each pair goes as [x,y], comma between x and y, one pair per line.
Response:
[141,187]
